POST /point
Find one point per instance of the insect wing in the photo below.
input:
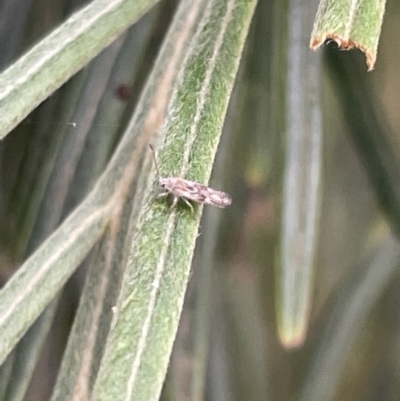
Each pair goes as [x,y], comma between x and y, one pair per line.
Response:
[216,198]
[199,193]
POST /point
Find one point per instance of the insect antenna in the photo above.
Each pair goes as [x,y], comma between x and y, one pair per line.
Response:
[155,160]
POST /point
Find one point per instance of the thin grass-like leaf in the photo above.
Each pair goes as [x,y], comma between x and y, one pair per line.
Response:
[148,310]
[60,185]
[28,292]
[302,182]
[346,321]
[60,55]
[369,131]
[88,336]
[28,353]
[350,23]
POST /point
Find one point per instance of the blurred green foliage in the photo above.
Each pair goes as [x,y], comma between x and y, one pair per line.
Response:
[228,344]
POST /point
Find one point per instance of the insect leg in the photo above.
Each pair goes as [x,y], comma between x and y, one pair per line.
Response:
[174,202]
[188,203]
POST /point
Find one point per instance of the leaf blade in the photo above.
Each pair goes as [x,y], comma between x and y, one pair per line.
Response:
[61,54]
[152,294]
[351,24]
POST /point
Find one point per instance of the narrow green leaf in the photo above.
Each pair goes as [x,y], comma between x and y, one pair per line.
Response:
[350,23]
[302,182]
[28,352]
[28,201]
[28,292]
[61,184]
[148,310]
[60,55]
[6,375]
[86,341]
[346,322]
[88,335]
[39,279]
[370,132]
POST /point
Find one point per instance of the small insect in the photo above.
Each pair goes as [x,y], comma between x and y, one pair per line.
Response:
[189,190]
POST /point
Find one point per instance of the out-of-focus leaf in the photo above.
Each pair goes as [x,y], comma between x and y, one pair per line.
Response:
[302,181]
[346,321]
[369,130]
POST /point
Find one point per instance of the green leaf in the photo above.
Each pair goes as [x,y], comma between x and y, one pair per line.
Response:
[40,278]
[346,321]
[60,55]
[301,184]
[368,129]
[88,335]
[351,24]
[149,306]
